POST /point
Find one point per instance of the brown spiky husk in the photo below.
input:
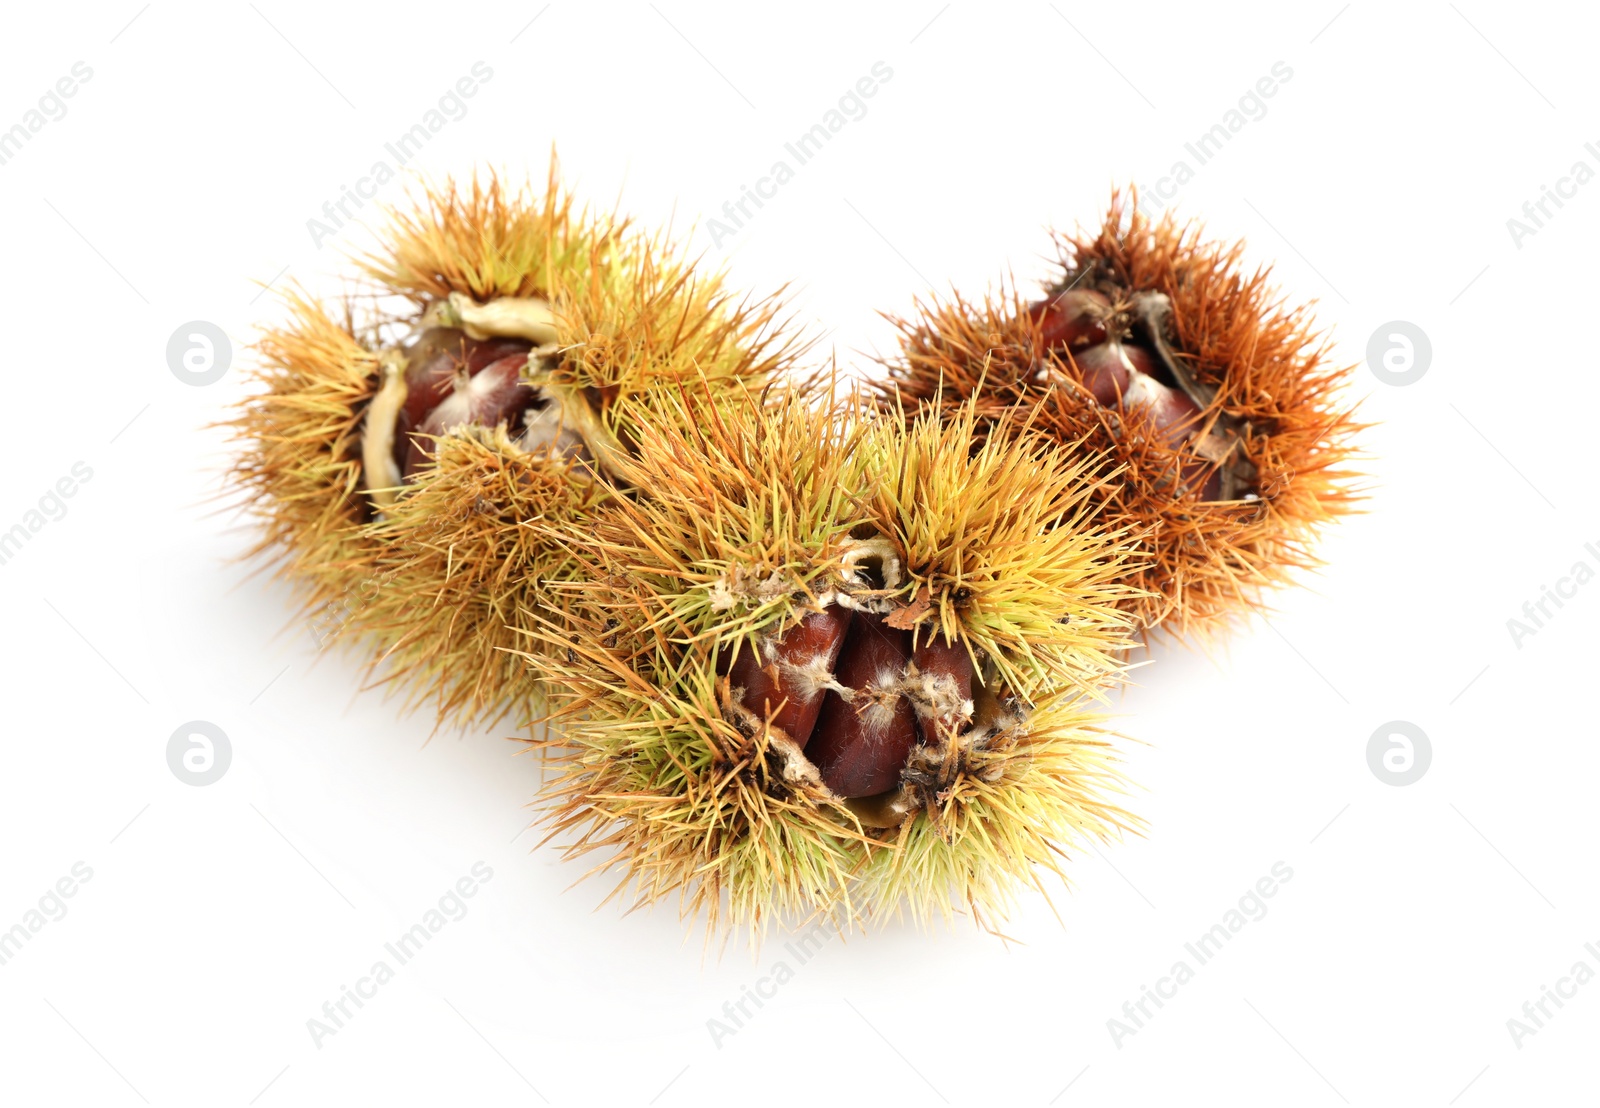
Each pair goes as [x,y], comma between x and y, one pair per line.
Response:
[437,584]
[749,519]
[1270,367]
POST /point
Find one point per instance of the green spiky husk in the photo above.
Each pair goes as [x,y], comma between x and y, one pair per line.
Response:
[748,519]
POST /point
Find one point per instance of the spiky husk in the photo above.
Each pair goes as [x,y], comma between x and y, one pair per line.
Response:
[459,564]
[1207,559]
[298,477]
[635,311]
[438,583]
[752,517]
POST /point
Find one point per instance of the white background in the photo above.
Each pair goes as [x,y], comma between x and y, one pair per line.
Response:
[219,919]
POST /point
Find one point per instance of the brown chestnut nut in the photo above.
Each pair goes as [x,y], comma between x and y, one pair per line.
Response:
[1108,370]
[784,677]
[940,686]
[1073,319]
[862,740]
[451,381]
